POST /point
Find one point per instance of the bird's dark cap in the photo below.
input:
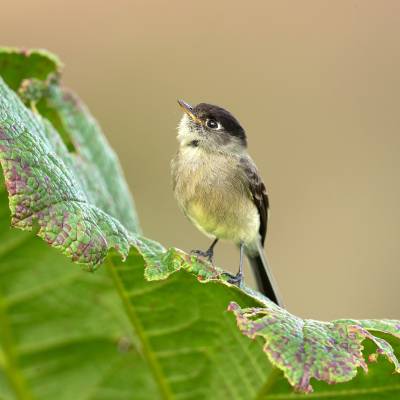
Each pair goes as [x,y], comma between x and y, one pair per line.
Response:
[204,111]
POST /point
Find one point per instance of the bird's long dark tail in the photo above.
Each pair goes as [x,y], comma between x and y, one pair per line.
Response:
[263,276]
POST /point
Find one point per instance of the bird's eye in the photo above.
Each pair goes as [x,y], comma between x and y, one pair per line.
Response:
[212,124]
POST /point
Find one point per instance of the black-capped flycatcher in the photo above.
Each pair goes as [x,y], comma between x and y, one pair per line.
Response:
[219,189]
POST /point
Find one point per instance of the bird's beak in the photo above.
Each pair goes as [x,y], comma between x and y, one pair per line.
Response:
[188,109]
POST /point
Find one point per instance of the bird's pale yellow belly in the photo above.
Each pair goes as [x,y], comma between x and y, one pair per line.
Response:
[226,220]
[214,195]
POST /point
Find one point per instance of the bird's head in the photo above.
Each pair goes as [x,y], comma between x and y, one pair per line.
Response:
[211,127]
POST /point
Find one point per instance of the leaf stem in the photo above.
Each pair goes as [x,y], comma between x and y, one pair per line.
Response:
[9,357]
[269,383]
[147,352]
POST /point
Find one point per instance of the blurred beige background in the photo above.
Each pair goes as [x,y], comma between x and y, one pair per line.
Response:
[315,83]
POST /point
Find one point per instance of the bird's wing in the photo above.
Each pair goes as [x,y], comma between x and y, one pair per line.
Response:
[262,272]
[258,192]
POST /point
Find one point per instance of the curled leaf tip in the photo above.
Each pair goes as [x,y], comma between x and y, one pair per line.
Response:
[305,349]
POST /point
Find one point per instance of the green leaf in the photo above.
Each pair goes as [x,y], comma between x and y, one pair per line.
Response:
[64,193]
[305,349]
[17,65]
[62,332]
[113,334]
[67,328]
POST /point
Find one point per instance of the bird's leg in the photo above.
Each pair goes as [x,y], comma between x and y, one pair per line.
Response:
[238,278]
[209,254]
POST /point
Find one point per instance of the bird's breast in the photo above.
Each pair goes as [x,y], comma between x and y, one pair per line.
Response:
[213,194]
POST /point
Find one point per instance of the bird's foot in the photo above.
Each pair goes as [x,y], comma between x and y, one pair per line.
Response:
[208,255]
[235,279]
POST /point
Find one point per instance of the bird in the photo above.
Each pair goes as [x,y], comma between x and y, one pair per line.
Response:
[218,187]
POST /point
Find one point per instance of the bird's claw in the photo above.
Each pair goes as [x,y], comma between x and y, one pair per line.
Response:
[234,279]
[208,255]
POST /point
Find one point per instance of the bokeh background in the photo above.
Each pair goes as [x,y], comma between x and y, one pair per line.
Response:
[316,84]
